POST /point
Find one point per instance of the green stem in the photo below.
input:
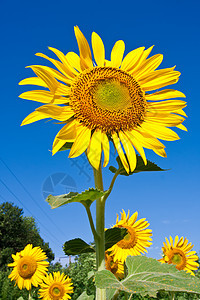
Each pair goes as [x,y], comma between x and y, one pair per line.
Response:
[172,295]
[111,185]
[91,222]
[100,230]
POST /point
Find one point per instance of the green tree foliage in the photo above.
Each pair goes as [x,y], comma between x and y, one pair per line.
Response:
[16,231]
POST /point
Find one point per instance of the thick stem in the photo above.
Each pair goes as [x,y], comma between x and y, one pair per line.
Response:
[100,230]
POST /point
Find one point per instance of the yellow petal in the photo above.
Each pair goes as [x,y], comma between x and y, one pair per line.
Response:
[168,105]
[165,94]
[55,73]
[106,148]
[50,81]
[98,49]
[43,96]
[168,120]
[137,146]
[33,81]
[182,127]
[160,79]
[146,139]
[117,54]
[94,149]
[61,113]
[120,151]
[143,57]
[129,150]
[160,132]
[82,140]
[148,66]
[63,59]
[84,49]
[74,60]
[160,152]
[180,112]
[66,134]
[131,59]
[176,240]
[61,67]
[33,117]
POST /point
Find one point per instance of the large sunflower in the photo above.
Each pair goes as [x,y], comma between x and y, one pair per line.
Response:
[137,239]
[56,287]
[107,100]
[179,253]
[29,267]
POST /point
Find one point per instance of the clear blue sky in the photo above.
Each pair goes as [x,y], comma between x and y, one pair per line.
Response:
[169,200]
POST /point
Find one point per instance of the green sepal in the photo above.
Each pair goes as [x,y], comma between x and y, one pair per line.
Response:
[147,276]
[113,236]
[84,296]
[76,247]
[66,146]
[140,167]
[85,198]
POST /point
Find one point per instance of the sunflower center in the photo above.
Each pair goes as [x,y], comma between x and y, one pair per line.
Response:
[56,291]
[177,257]
[26,267]
[108,99]
[130,239]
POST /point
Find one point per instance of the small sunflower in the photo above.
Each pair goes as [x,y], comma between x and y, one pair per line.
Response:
[179,253]
[107,100]
[30,266]
[56,287]
[116,267]
[137,239]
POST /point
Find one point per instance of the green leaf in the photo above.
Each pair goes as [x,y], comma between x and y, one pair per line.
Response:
[113,236]
[91,274]
[140,167]
[76,247]
[84,296]
[147,276]
[86,198]
[66,146]
[20,298]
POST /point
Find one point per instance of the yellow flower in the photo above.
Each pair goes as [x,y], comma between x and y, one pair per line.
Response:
[29,267]
[136,240]
[56,287]
[116,267]
[101,100]
[179,253]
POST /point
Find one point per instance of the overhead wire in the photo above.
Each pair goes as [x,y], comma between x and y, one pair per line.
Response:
[13,194]
[29,194]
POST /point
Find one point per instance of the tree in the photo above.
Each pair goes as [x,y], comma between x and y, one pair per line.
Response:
[16,231]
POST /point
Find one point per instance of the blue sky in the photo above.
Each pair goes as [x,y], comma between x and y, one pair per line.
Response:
[169,200]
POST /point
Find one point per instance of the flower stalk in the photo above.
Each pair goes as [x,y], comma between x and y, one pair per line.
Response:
[100,230]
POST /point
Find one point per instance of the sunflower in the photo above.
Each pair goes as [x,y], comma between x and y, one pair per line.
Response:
[30,266]
[102,100]
[116,267]
[56,287]
[179,253]
[136,240]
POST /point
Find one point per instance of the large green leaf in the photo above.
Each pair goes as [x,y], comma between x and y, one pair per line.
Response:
[76,247]
[140,167]
[113,236]
[84,296]
[86,198]
[147,276]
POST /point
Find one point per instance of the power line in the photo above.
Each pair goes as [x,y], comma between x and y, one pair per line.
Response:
[29,194]
[54,237]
